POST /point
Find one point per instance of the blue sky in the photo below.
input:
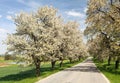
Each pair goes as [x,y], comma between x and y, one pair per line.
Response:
[69,9]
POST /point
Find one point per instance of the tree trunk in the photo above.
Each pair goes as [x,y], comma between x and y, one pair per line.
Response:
[53,64]
[109,60]
[37,68]
[37,65]
[61,63]
[111,2]
[70,60]
[117,64]
[79,57]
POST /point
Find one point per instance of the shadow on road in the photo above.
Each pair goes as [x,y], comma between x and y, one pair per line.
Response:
[84,67]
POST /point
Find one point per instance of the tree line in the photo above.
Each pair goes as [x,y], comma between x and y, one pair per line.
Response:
[43,36]
[103,30]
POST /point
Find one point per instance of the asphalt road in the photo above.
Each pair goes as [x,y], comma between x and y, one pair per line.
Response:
[85,72]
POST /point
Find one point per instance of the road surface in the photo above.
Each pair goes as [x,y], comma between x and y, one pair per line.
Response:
[85,72]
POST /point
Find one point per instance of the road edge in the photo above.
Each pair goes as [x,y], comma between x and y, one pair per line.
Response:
[107,80]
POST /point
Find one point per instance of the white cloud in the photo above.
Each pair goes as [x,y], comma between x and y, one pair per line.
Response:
[75,14]
[0,16]
[85,9]
[9,17]
[2,30]
[3,48]
[82,24]
[31,3]
[10,12]
[3,34]
[16,14]
[21,1]
[9,28]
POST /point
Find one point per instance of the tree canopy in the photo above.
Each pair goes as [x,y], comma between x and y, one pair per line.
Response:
[103,21]
[43,36]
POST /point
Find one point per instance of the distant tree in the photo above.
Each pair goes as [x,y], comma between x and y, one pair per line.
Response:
[73,41]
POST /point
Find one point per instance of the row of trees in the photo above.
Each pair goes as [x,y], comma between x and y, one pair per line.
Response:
[43,36]
[103,29]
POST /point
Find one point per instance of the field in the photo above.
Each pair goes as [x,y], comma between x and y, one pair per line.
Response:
[19,74]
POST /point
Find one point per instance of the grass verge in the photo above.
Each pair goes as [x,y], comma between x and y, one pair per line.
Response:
[17,74]
[109,71]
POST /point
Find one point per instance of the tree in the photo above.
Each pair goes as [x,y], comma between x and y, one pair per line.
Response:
[103,19]
[42,36]
[36,36]
[73,41]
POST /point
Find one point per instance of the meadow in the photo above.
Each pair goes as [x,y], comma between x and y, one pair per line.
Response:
[19,74]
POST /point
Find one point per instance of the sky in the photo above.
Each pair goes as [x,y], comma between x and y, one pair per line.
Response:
[73,10]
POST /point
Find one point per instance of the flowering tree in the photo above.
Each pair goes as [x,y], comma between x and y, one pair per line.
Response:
[37,36]
[42,36]
[103,19]
[73,41]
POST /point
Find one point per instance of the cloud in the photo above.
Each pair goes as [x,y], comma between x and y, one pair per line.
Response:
[2,30]
[85,9]
[5,28]
[10,12]
[31,3]
[75,14]
[3,33]
[0,16]
[8,17]
[82,24]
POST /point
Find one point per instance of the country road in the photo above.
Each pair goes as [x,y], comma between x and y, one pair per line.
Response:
[85,72]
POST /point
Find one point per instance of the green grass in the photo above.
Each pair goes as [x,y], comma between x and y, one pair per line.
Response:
[109,71]
[17,74]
